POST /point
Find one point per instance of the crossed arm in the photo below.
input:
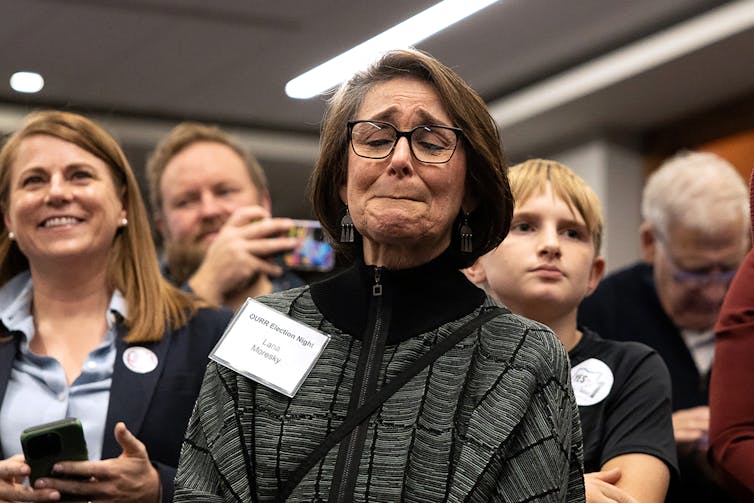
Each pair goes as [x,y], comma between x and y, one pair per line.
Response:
[629,478]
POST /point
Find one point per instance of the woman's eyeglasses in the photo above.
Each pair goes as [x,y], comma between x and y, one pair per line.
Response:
[428,144]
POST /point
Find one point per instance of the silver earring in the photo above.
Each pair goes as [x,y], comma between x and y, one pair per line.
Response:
[466,235]
[346,228]
[123,222]
[11,236]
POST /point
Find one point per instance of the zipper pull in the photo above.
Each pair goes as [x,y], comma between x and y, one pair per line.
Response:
[377,287]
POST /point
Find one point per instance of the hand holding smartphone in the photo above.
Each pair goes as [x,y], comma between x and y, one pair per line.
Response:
[46,444]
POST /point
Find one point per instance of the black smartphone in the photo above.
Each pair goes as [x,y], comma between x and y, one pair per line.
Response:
[46,444]
[314,253]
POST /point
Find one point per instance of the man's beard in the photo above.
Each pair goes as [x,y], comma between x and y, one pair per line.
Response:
[185,256]
[183,260]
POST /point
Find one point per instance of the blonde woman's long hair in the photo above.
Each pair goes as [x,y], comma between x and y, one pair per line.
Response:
[133,268]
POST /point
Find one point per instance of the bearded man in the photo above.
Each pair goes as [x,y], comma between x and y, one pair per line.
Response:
[212,208]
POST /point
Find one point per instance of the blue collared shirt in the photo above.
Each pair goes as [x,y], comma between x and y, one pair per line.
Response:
[38,391]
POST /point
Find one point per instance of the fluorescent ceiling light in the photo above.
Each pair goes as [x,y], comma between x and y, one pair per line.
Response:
[27,82]
[624,63]
[403,35]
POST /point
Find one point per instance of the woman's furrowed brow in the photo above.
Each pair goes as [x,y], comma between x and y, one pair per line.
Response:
[390,115]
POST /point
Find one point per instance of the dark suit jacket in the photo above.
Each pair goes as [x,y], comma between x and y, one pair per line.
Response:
[155,406]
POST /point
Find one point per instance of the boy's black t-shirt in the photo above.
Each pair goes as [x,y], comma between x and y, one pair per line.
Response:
[624,397]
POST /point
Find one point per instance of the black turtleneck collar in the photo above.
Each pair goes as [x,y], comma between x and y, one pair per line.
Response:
[420,299]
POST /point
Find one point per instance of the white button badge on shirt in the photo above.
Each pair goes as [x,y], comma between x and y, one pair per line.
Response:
[592,381]
[140,359]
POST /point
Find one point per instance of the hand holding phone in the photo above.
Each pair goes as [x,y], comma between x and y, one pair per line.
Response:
[127,477]
[48,443]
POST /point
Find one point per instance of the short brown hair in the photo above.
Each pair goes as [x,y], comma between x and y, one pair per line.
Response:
[182,136]
[153,304]
[485,163]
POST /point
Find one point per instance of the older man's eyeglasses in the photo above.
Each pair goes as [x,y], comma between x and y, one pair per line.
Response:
[428,144]
[698,278]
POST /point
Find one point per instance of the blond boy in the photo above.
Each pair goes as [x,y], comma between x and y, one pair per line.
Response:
[549,262]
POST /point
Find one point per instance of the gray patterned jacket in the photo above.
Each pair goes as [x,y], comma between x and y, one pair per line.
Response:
[493,419]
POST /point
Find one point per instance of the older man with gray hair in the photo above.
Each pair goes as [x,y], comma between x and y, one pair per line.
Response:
[694,234]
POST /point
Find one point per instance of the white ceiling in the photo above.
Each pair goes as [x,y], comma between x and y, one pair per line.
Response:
[149,63]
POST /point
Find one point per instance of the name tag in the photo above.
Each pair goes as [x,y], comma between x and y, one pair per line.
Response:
[269,347]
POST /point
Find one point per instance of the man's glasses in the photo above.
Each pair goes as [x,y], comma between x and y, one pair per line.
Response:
[696,278]
[428,144]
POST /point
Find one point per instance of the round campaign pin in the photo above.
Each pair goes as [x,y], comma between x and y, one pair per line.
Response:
[592,381]
[140,359]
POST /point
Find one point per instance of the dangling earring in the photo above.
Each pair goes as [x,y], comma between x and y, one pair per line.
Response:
[466,235]
[346,228]
[123,222]
[11,236]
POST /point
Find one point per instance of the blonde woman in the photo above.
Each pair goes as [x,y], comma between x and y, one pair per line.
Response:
[89,328]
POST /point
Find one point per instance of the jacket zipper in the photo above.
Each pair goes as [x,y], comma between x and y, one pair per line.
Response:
[350,472]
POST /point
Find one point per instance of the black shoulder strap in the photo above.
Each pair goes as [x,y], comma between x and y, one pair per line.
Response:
[359,415]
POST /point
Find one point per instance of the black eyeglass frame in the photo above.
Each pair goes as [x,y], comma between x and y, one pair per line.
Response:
[404,134]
